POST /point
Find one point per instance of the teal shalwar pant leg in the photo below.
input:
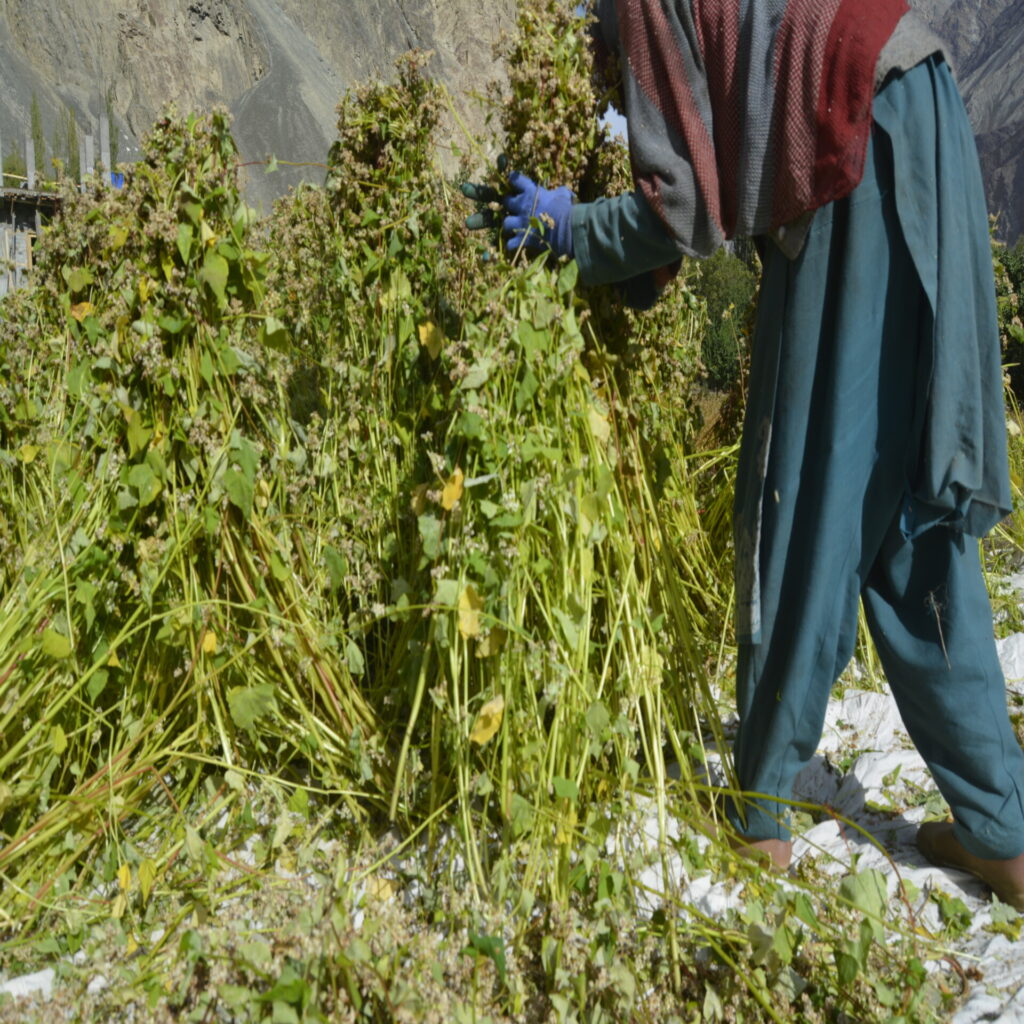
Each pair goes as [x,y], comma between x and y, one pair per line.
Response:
[843,362]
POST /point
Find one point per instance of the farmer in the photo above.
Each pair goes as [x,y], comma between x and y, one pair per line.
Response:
[874,449]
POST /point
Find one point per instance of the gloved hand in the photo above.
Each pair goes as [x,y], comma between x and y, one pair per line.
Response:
[486,197]
[551,207]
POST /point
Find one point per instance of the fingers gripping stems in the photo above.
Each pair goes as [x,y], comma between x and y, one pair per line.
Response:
[535,219]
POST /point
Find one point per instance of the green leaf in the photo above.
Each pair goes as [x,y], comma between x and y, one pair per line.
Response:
[96,685]
[847,968]
[274,334]
[55,645]
[145,482]
[236,997]
[430,528]
[206,367]
[283,1013]
[535,342]
[193,210]
[290,987]
[172,324]
[598,721]
[521,813]
[79,378]
[567,277]
[354,657]
[527,388]
[248,704]
[246,454]
[565,789]
[278,569]
[185,235]
[85,595]
[446,593]
[491,947]
[868,892]
[239,489]
[804,910]
[138,435]
[337,567]
[79,279]
[953,911]
[885,995]
[784,944]
[257,953]
[570,628]
[194,846]
[477,374]
[215,276]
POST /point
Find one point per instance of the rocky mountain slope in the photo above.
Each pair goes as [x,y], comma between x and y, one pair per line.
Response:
[279,65]
[986,38]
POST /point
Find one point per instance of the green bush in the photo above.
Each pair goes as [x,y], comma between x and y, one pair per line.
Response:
[728,287]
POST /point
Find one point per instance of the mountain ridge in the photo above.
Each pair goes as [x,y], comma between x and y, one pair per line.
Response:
[281,66]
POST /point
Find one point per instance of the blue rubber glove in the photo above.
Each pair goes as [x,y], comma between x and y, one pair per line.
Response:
[552,207]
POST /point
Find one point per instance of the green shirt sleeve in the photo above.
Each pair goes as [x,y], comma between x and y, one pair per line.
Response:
[620,240]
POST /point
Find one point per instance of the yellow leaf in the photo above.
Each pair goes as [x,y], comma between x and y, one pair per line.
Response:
[492,643]
[27,452]
[209,642]
[112,660]
[565,830]
[599,425]
[471,604]
[130,946]
[58,740]
[452,490]
[145,287]
[380,890]
[147,877]
[118,235]
[431,338]
[488,721]
[207,233]
[124,877]
[80,310]
[119,907]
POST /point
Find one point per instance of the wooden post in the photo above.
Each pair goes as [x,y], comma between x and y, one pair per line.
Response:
[105,146]
[30,160]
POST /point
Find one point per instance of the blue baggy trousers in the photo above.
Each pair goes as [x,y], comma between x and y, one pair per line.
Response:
[873,455]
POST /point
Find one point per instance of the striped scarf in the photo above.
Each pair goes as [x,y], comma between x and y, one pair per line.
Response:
[746,114]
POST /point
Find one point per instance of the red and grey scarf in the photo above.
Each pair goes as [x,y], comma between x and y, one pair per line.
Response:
[745,114]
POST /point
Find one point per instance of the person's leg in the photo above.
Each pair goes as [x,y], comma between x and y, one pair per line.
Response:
[930,618]
[822,472]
